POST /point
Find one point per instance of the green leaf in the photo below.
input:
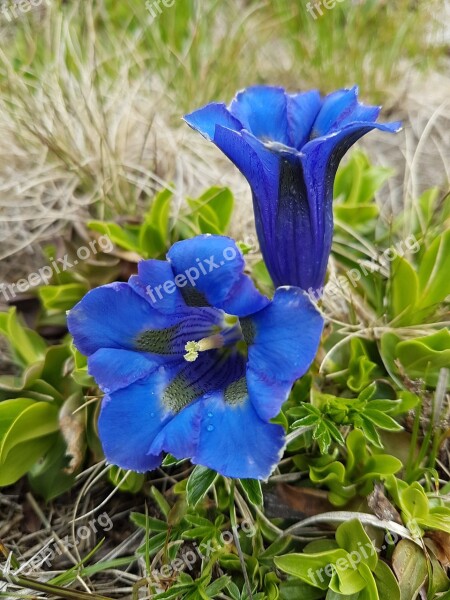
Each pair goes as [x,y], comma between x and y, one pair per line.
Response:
[170,460]
[426,204]
[22,457]
[279,545]
[252,489]
[322,435]
[271,587]
[387,585]
[320,546]
[381,465]
[310,568]
[28,347]
[347,580]
[61,297]
[420,358]
[219,202]
[407,401]
[162,503]
[388,345]
[385,406]
[80,372]
[382,420]
[357,181]
[439,581]
[148,523]
[331,595]
[335,433]
[370,432]
[414,502]
[370,591]
[355,215]
[423,358]
[154,232]
[262,278]
[22,422]
[434,268]
[294,589]
[217,586]
[132,484]
[439,518]
[410,566]
[356,448]
[361,369]
[404,290]
[126,238]
[335,471]
[199,482]
[307,421]
[47,477]
[351,536]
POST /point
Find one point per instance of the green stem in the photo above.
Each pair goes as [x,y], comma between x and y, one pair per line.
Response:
[438,439]
[413,444]
[30,584]
[234,529]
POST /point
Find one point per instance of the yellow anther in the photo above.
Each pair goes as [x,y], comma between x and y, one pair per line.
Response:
[192,349]
[208,343]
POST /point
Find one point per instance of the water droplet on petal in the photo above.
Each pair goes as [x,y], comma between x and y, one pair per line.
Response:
[152,414]
[210,414]
[210,428]
[106,390]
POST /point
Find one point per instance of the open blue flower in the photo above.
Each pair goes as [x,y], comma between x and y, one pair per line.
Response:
[289,146]
[194,361]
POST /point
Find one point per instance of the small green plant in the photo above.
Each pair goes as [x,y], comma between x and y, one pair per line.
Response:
[420,511]
[356,475]
[348,567]
[151,238]
[327,414]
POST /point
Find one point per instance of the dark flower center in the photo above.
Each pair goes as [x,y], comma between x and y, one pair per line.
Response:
[215,359]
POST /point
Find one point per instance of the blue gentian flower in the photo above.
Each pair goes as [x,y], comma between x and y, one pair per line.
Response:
[194,360]
[289,146]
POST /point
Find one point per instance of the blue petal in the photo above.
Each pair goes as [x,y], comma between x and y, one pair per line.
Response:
[302,110]
[180,435]
[262,111]
[285,341]
[283,216]
[207,118]
[260,166]
[155,282]
[114,369]
[298,248]
[360,114]
[257,163]
[111,316]
[320,160]
[129,421]
[213,268]
[235,442]
[336,106]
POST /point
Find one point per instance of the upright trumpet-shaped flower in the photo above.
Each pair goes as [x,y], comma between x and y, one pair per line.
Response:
[194,361]
[289,146]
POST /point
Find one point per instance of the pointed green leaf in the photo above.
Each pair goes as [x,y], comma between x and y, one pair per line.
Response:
[200,481]
[252,489]
[404,290]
